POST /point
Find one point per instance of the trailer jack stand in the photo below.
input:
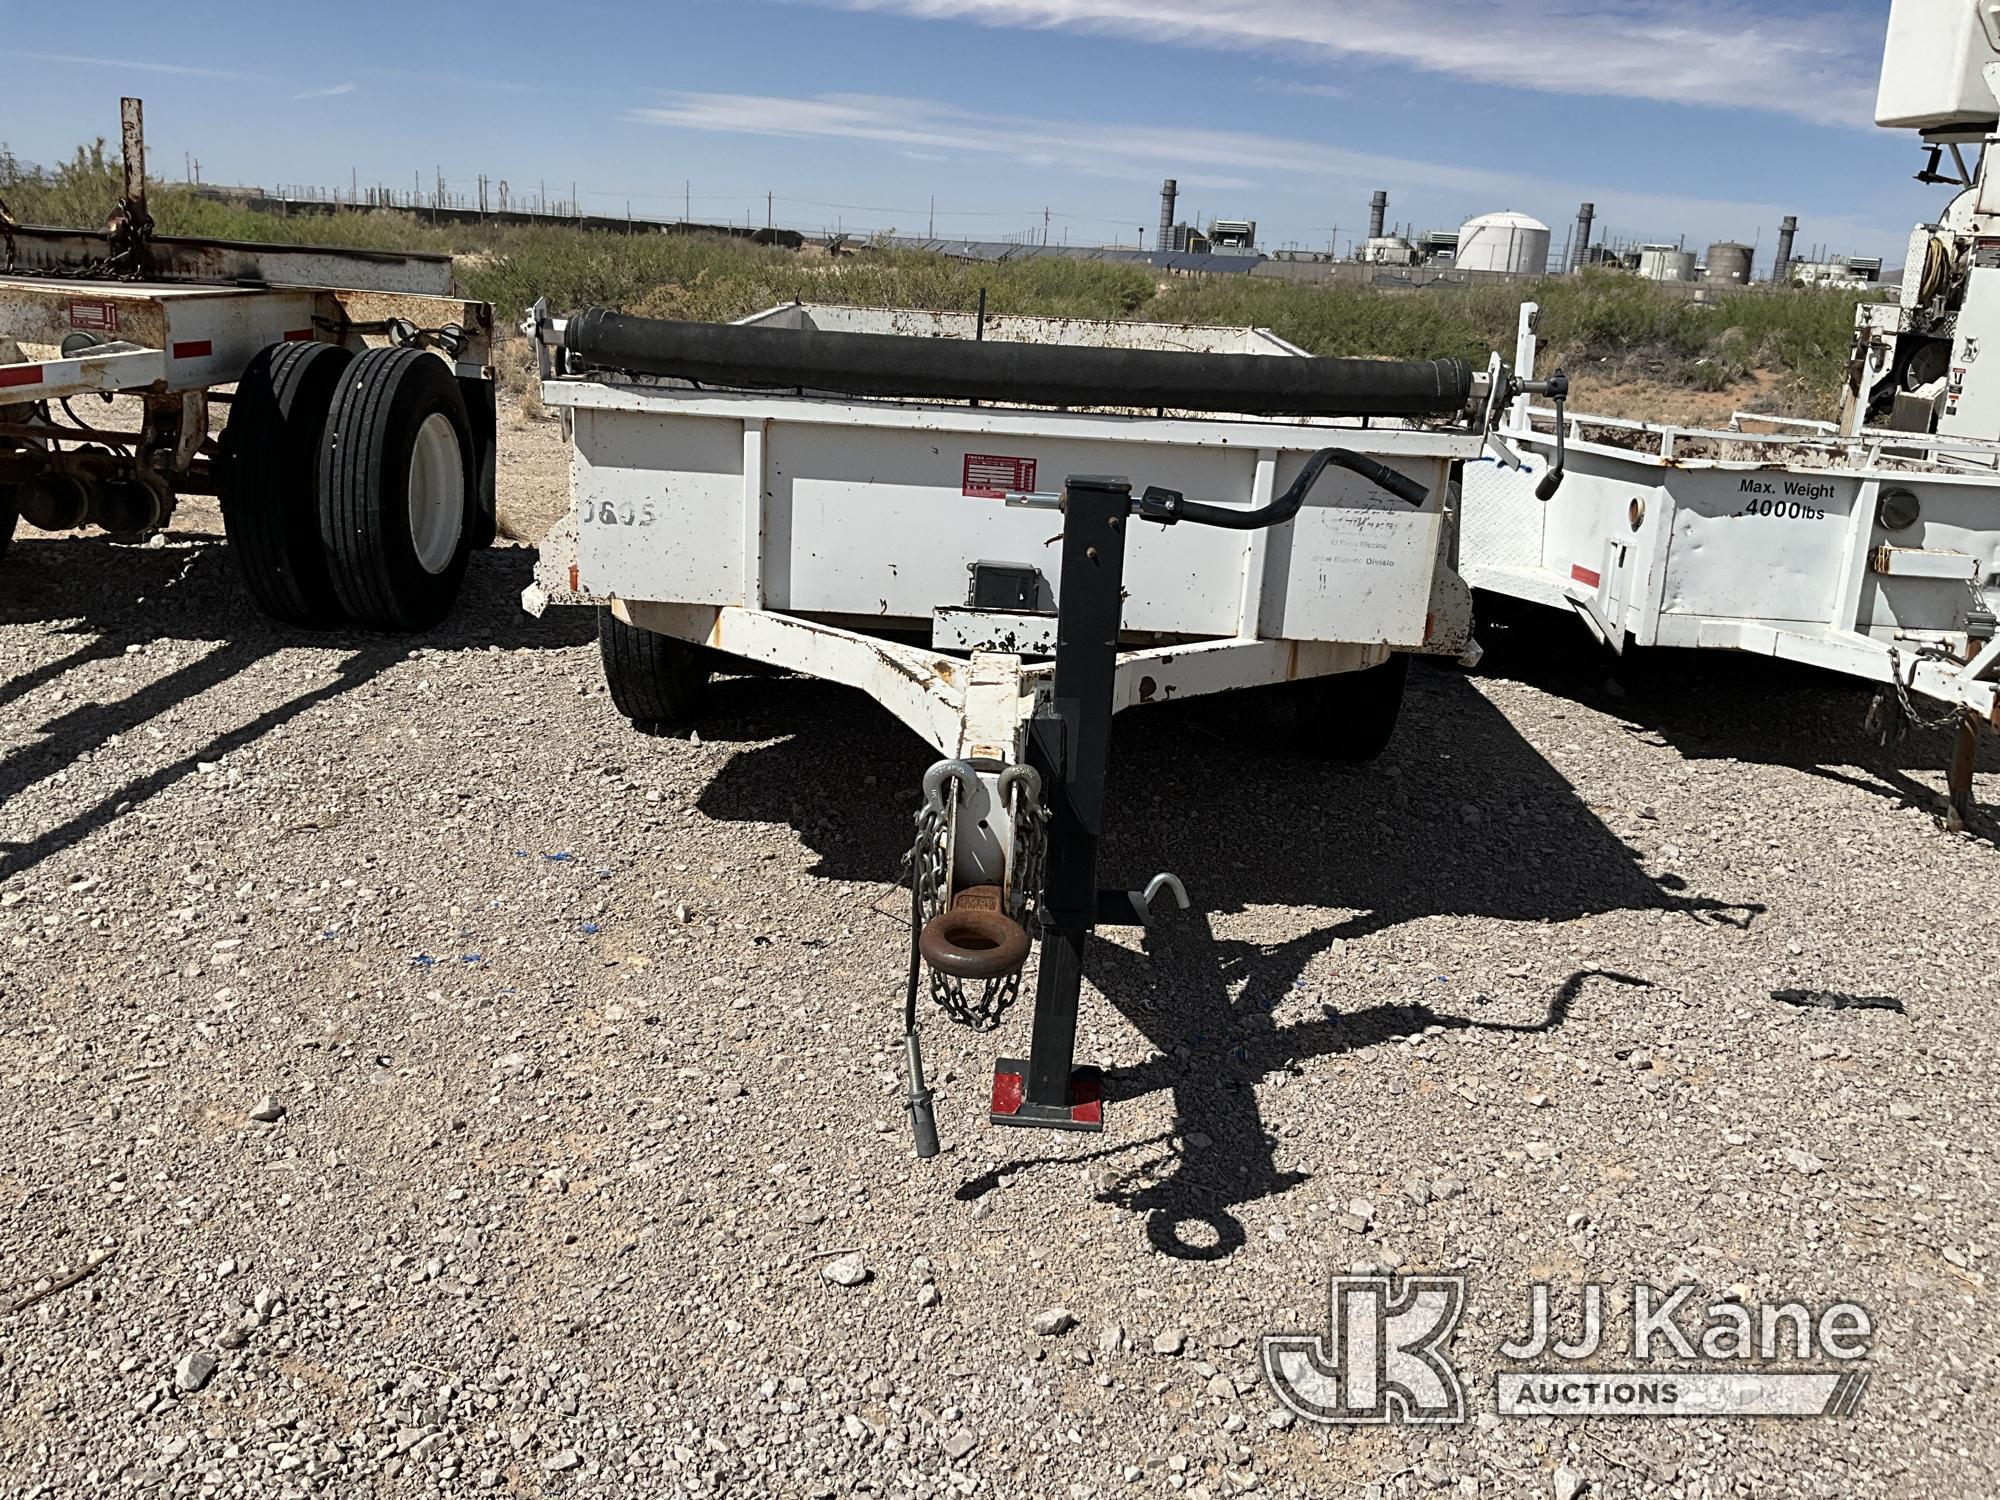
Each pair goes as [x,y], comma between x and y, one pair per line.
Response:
[1069,743]
[1959,804]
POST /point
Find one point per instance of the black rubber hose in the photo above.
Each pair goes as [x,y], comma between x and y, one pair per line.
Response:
[874,364]
[1167,507]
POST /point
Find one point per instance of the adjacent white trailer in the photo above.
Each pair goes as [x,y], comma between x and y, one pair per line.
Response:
[1869,546]
[1868,552]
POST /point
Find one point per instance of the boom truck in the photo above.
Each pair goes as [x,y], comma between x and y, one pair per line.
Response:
[356,467]
[1868,545]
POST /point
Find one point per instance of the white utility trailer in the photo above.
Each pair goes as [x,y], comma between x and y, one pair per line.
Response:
[356,467]
[1869,546]
[1867,553]
[949,513]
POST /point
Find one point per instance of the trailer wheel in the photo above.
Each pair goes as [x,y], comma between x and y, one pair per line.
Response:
[1349,718]
[396,490]
[270,481]
[9,514]
[656,681]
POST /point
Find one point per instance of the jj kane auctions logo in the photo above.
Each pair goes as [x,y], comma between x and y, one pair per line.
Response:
[1383,1357]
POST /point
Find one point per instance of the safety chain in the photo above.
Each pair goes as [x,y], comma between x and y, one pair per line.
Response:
[930,870]
[1890,722]
[1031,843]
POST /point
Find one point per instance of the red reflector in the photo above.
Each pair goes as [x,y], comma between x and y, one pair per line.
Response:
[1086,1097]
[1007,1092]
[21,375]
[298,336]
[194,349]
[1584,576]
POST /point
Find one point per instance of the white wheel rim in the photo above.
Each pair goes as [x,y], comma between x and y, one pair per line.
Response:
[437,493]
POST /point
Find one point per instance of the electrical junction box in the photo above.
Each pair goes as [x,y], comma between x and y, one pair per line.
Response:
[1934,66]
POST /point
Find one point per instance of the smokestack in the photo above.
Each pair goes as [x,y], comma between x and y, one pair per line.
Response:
[1783,263]
[1378,211]
[1580,252]
[1169,191]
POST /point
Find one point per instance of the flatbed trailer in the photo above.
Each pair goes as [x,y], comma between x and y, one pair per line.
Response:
[989,526]
[356,467]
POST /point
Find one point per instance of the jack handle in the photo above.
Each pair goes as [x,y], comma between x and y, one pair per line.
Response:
[1556,388]
[1168,507]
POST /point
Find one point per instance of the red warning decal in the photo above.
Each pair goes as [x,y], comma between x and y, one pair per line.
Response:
[989,476]
[1588,577]
[93,316]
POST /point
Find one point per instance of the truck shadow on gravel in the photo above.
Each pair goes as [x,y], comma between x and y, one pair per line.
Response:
[1462,818]
[110,597]
[1730,705]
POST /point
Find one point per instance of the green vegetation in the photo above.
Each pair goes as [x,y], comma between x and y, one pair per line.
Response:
[1604,327]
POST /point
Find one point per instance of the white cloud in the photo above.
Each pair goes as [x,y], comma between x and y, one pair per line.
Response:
[921,124]
[1725,53]
[332,91]
[127,65]
[1295,86]
[1215,159]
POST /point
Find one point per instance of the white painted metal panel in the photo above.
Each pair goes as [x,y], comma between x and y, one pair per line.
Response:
[864,510]
[1501,523]
[863,525]
[659,507]
[1354,565]
[1762,545]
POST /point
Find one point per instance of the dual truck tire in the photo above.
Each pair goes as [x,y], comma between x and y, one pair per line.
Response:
[352,487]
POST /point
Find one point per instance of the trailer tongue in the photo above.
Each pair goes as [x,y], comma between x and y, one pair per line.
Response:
[862,477]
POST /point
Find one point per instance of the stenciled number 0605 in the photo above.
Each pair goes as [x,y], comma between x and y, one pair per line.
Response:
[611,513]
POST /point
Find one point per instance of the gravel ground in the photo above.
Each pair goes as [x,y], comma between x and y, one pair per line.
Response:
[449,1090]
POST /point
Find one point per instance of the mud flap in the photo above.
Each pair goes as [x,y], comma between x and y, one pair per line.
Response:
[482,413]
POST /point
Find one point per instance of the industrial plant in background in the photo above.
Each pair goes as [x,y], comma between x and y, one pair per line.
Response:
[1505,245]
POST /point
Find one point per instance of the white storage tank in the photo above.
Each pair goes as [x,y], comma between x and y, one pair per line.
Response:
[1504,242]
[1666,263]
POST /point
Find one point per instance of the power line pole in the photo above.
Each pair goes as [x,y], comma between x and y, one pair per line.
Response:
[933,225]
[768,201]
[1045,224]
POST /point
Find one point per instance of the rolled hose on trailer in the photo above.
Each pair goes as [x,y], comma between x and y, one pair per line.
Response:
[876,364]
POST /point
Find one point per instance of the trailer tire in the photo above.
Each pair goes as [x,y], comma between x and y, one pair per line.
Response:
[9,514]
[270,481]
[1349,718]
[397,490]
[656,681]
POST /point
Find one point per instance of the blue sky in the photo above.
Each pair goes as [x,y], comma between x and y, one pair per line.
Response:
[1709,119]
